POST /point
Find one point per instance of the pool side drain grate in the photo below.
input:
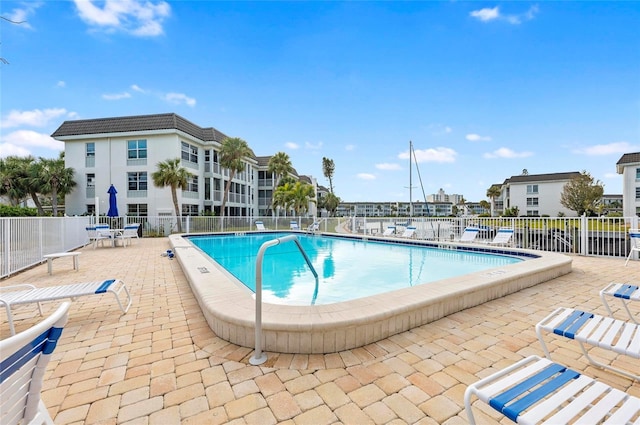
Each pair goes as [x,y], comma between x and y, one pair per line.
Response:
[203,270]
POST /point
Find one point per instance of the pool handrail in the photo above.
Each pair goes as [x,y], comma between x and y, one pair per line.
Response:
[258,356]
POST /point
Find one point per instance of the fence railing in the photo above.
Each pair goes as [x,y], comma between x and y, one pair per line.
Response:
[24,240]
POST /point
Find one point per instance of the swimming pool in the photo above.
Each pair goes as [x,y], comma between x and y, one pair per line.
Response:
[347,268]
[230,307]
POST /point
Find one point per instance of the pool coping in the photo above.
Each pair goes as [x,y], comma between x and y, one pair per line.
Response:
[229,307]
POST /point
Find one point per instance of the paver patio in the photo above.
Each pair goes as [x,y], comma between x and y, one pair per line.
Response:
[161,364]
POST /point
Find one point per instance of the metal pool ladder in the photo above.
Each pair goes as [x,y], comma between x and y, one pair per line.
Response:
[258,356]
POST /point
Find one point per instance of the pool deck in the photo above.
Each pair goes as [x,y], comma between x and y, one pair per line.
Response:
[161,364]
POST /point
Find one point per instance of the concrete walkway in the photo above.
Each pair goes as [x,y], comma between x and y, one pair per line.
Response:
[161,364]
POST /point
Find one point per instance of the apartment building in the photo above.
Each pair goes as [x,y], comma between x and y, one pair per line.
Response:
[629,166]
[535,194]
[125,151]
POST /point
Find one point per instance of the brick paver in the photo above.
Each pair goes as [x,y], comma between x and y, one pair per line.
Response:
[161,364]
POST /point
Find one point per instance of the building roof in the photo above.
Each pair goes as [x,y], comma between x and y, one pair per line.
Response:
[627,158]
[526,178]
[129,124]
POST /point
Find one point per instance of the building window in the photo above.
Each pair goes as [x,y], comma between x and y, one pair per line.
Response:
[137,180]
[91,209]
[532,202]
[91,181]
[136,149]
[90,149]
[533,213]
[192,184]
[137,210]
[532,188]
[189,153]
[189,209]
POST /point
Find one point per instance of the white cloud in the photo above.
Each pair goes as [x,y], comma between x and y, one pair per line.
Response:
[34,118]
[350,147]
[388,167]
[487,14]
[292,145]
[28,138]
[137,88]
[7,149]
[506,153]
[61,84]
[608,149]
[116,96]
[180,98]
[366,176]
[136,17]
[439,154]
[21,15]
[612,176]
[477,138]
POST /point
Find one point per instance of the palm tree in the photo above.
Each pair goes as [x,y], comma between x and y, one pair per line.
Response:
[279,166]
[282,197]
[328,168]
[232,153]
[171,173]
[13,175]
[301,195]
[492,193]
[59,179]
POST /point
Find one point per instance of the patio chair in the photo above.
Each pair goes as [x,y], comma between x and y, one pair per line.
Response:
[536,390]
[129,232]
[29,294]
[624,293]
[260,225]
[96,236]
[634,241]
[389,231]
[409,232]
[24,361]
[503,236]
[469,234]
[294,225]
[607,333]
[314,227]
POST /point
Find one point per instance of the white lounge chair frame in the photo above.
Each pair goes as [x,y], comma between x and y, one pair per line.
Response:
[96,236]
[260,225]
[293,225]
[29,294]
[536,390]
[409,232]
[503,236]
[469,234]
[634,240]
[389,231]
[625,293]
[314,227]
[607,333]
[24,361]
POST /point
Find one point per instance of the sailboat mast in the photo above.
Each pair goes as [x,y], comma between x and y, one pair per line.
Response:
[410,179]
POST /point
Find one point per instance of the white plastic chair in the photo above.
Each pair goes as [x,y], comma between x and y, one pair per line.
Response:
[536,390]
[634,240]
[24,361]
[260,225]
[29,294]
[409,232]
[503,236]
[390,230]
[96,236]
[314,227]
[469,234]
[129,232]
[294,225]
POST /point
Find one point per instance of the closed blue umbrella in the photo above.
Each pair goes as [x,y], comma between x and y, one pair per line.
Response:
[113,203]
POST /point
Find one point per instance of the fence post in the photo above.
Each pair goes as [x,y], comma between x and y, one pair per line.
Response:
[584,235]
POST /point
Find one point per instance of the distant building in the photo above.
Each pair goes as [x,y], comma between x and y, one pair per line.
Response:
[535,194]
[629,166]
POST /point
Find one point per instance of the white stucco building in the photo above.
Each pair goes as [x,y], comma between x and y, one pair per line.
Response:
[629,166]
[125,151]
[536,194]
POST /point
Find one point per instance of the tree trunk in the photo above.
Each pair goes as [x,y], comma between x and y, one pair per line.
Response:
[174,196]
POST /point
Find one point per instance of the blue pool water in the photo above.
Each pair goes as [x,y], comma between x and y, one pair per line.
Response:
[347,268]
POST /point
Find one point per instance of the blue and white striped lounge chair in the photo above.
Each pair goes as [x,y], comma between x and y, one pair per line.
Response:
[634,241]
[24,361]
[503,236]
[409,232]
[607,333]
[29,294]
[260,225]
[469,234]
[129,232]
[536,390]
[389,231]
[293,225]
[96,236]
[314,227]
[624,293]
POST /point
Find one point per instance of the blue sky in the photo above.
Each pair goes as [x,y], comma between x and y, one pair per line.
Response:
[482,89]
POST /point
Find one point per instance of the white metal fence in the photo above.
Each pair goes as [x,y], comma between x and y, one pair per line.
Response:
[24,240]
